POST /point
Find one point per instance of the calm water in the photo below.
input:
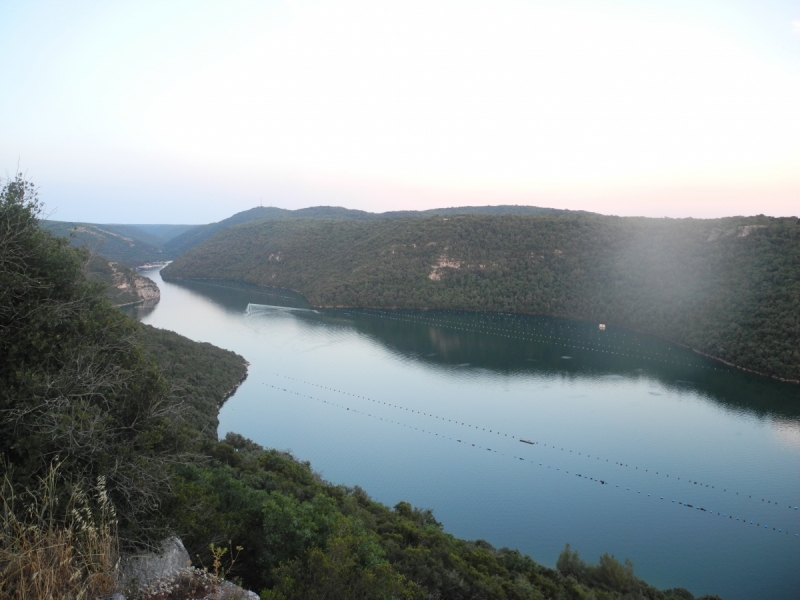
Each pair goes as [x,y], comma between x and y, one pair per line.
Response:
[430,406]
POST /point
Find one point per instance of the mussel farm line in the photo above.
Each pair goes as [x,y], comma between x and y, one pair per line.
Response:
[521,458]
[649,471]
[515,457]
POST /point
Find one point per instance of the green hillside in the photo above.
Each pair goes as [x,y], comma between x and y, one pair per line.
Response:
[156,234]
[117,243]
[188,240]
[133,245]
[507,209]
[200,375]
[726,287]
[130,245]
[191,238]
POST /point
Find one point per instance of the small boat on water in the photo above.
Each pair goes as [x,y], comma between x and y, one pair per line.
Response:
[525,441]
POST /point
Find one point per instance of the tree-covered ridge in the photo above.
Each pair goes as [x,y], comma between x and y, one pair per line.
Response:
[119,243]
[133,245]
[199,375]
[188,240]
[727,287]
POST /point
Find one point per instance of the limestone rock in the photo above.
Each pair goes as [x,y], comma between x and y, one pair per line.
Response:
[143,570]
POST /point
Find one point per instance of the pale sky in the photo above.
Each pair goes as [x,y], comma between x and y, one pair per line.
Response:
[187,112]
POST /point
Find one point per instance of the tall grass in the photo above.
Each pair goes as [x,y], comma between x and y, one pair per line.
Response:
[54,545]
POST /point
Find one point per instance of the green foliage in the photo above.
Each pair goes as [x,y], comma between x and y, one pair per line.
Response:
[609,574]
[305,538]
[349,566]
[199,375]
[726,287]
[569,563]
[292,527]
[188,240]
[73,381]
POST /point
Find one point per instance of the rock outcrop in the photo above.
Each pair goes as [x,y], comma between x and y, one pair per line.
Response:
[170,572]
[129,281]
[125,286]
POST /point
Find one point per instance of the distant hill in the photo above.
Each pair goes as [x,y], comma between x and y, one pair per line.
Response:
[129,245]
[189,239]
[181,243]
[507,209]
[727,287]
[156,235]
[133,245]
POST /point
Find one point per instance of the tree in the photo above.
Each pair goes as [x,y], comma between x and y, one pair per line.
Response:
[73,381]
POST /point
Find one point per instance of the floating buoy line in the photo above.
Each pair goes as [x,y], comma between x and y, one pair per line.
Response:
[253,308]
[603,482]
[527,335]
[491,430]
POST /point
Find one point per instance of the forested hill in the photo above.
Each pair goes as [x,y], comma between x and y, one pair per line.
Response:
[133,245]
[191,238]
[727,287]
[130,245]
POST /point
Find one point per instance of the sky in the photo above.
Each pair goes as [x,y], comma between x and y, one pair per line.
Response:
[190,111]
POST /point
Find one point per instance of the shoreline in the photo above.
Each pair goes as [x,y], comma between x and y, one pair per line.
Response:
[470,311]
[233,390]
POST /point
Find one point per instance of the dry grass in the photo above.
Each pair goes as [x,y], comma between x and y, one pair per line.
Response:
[188,583]
[47,551]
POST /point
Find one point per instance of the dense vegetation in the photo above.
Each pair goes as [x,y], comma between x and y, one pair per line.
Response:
[129,411]
[74,382]
[727,287]
[190,239]
[305,538]
[199,376]
[133,245]
[123,244]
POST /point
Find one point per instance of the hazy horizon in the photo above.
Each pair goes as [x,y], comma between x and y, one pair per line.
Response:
[53,217]
[188,112]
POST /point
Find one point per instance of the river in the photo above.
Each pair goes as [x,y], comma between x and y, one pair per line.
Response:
[640,448]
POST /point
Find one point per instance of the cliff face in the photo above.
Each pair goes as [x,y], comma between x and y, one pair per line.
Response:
[125,286]
[145,288]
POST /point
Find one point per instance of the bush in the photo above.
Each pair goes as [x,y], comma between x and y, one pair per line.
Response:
[73,379]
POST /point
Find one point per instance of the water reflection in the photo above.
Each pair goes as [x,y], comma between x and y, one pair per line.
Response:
[500,344]
[234,296]
[141,310]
